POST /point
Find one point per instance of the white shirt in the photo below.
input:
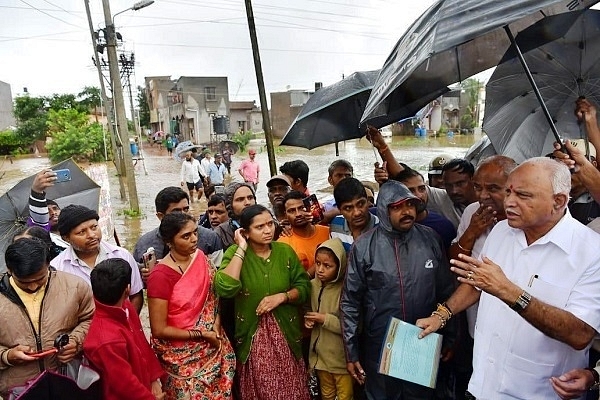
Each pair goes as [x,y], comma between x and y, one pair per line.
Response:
[206,166]
[511,358]
[465,220]
[67,261]
[191,171]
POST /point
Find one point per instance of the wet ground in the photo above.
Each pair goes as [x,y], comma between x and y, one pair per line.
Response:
[163,171]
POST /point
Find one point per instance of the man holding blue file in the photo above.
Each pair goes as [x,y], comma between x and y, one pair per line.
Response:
[397,269]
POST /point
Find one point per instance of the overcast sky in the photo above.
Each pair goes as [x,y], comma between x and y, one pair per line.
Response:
[45,45]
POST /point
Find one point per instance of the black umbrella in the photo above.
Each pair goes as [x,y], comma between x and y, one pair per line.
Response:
[332,113]
[451,41]
[563,69]
[14,204]
[233,146]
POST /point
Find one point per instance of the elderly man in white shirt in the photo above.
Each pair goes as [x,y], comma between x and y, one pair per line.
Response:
[192,175]
[537,282]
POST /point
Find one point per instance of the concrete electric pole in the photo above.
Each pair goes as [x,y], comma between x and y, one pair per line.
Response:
[107,104]
[261,89]
[121,118]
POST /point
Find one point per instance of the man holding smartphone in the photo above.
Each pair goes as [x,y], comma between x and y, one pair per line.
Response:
[36,305]
[44,212]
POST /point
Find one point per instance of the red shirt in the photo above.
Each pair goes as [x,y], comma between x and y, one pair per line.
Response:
[117,348]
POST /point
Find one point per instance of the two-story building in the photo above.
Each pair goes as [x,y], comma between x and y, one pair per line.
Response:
[187,106]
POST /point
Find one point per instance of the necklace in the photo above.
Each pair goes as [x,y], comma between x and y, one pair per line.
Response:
[175,261]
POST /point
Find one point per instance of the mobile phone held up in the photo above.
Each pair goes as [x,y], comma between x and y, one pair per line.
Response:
[312,205]
[149,258]
[62,175]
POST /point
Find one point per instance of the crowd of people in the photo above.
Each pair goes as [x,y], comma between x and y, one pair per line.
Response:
[266,302]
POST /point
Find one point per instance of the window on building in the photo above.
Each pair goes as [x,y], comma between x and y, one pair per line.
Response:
[210,93]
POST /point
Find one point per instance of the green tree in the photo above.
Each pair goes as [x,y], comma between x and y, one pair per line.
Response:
[82,145]
[470,88]
[11,143]
[31,115]
[91,98]
[144,108]
[61,120]
[65,102]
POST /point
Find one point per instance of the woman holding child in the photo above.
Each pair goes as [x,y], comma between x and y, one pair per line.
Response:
[186,329]
[268,283]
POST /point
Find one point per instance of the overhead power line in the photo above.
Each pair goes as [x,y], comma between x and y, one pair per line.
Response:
[49,15]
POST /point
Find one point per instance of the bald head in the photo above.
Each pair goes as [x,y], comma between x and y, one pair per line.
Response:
[489,183]
[506,164]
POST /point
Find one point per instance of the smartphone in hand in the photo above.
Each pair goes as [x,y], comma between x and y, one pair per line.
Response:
[149,258]
[43,353]
[311,203]
[62,175]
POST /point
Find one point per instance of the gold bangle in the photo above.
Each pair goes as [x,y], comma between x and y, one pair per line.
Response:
[462,248]
[241,257]
[441,317]
[442,309]
[287,296]
[450,313]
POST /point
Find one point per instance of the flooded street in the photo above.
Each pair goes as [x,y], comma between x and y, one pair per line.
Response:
[164,171]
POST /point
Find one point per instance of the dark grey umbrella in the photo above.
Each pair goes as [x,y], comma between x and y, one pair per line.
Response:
[14,204]
[233,146]
[480,150]
[451,41]
[332,113]
[563,69]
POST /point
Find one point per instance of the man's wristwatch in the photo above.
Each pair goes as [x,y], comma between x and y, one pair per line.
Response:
[596,379]
[522,302]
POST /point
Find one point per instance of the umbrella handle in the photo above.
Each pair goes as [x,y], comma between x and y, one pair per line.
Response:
[375,153]
[536,90]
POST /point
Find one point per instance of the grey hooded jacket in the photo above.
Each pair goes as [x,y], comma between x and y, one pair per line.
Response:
[391,274]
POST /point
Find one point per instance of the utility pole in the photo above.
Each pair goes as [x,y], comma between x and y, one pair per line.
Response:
[122,128]
[127,66]
[261,89]
[107,104]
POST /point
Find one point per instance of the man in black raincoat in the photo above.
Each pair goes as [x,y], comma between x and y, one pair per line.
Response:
[398,269]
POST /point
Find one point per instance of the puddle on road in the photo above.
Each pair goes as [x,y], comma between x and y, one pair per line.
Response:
[164,171]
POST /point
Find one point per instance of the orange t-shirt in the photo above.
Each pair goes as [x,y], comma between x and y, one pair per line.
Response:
[305,247]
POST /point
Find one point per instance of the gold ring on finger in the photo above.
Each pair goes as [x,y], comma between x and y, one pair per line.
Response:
[470,275]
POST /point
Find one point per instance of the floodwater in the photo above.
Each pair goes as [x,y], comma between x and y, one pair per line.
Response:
[164,171]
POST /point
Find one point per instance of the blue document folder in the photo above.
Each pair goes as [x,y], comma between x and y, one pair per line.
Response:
[405,356]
